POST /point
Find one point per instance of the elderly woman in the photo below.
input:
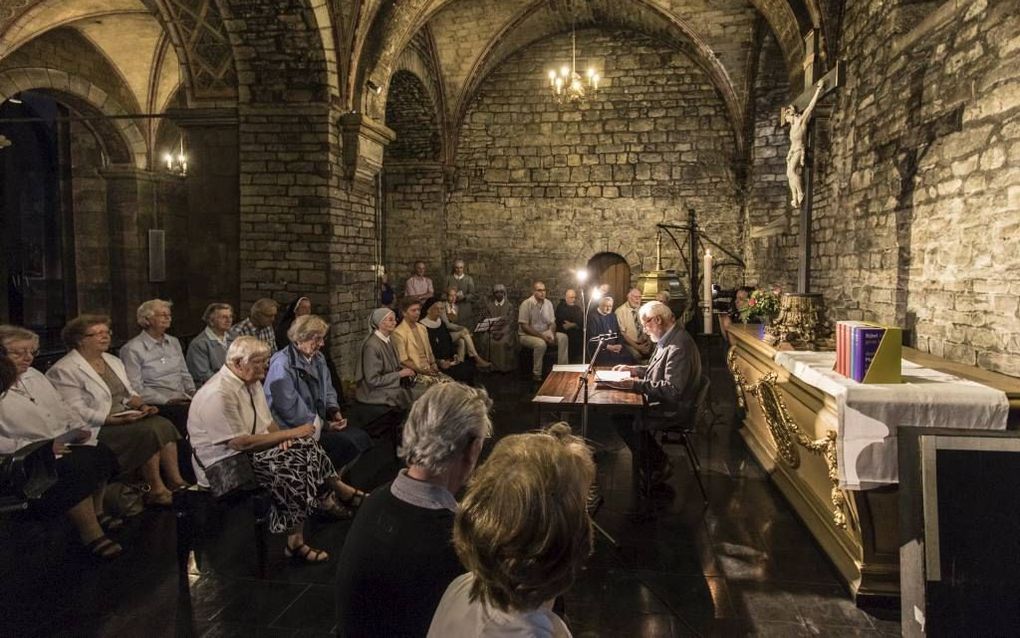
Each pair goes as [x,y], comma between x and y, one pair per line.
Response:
[604,322]
[523,533]
[300,391]
[500,342]
[450,315]
[95,386]
[208,349]
[30,411]
[378,372]
[397,554]
[229,415]
[449,357]
[155,364]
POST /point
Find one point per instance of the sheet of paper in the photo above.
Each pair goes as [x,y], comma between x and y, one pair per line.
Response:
[611,375]
[544,398]
[569,367]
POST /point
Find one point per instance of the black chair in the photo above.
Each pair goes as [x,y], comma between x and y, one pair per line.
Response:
[189,507]
[25,475]
[683,425]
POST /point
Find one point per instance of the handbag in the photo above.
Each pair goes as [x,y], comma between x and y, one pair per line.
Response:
[233,474]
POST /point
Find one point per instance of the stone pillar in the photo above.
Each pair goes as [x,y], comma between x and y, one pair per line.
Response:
[212,217]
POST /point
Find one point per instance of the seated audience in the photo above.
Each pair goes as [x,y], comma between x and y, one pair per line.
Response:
[500,341]
[449,357]
[523,533]
[229,415]
[208,349]
[258,323]
[155,364]
[411,341]
[536,322]
[300,391]
[459,332]
[602,322]
[398,557]
[464,285]
[95,385]
[570,321]
[635,340]
[669,383]
[379,375]
[418,286]
[30,411]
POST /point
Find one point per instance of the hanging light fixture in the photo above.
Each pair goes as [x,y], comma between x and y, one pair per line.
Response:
[177,164]
[567,85]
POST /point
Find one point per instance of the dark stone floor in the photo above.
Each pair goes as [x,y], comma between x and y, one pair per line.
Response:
[744,565]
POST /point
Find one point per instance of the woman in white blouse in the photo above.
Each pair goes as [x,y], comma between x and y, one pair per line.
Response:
[229,415]
[95,385]
[31,411]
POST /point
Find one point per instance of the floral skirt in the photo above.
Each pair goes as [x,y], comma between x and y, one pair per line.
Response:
[295,478]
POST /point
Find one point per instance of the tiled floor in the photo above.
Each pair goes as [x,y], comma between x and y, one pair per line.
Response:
[742,566]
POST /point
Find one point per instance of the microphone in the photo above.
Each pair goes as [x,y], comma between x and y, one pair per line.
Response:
[607,336]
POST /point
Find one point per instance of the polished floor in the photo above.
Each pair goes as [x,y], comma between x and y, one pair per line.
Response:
[743,565]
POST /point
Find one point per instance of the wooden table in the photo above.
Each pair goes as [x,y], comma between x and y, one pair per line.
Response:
[602,399]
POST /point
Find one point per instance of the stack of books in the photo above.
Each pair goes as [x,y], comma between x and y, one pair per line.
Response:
[868,352]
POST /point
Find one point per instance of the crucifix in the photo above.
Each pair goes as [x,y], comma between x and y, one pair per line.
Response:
[799,160]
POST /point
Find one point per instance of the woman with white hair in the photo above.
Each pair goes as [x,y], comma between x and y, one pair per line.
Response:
[229,416]
[208,350]
[155,364]
[380,377]
[397,558]
[299,389]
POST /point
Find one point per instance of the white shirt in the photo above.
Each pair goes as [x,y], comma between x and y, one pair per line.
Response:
[458,616]
[540,316]
[379,334]
[33,411]
[224,408]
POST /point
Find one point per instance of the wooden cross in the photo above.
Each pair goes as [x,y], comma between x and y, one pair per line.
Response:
[829,82]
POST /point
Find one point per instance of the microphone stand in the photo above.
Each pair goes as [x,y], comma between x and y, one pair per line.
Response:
[593,491]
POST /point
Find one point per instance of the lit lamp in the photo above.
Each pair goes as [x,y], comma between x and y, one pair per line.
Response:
[568,85]
[177,163]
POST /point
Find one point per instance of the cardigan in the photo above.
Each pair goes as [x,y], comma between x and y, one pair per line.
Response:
[82,387]
[206,356]
[37,416]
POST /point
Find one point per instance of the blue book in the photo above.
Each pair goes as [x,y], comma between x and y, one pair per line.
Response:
[869,339]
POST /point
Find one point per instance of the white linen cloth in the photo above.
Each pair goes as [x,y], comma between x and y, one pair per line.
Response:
[869,414]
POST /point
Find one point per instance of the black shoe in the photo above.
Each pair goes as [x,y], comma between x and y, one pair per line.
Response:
[660,475]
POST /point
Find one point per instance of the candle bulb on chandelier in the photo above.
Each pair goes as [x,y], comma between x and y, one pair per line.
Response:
[552,78]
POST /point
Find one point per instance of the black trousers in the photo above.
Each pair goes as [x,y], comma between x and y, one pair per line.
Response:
[645,450]
[79,473]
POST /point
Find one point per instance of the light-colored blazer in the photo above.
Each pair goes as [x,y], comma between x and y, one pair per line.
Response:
[84,390]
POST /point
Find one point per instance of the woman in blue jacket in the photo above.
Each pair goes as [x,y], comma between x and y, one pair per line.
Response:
[300,391]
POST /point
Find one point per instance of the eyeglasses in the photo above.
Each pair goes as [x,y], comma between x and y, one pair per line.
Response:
[100,333]
[539,289]
[162,314]
[22,354]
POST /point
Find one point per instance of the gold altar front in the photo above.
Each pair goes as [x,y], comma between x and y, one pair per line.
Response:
[791,427]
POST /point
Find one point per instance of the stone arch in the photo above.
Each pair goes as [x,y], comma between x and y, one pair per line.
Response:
[123,139]
[412,114]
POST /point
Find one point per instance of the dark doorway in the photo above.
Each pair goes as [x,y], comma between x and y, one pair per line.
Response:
[38,262]
[612,269]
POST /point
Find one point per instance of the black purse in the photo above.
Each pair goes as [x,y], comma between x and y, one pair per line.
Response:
[233,474]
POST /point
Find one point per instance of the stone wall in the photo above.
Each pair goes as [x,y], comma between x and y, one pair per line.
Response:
[920,195]
[540,189]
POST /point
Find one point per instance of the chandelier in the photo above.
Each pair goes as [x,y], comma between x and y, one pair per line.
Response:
[177,164]
[567,86]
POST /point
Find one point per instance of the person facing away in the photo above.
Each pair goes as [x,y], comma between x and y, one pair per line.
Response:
[398,556]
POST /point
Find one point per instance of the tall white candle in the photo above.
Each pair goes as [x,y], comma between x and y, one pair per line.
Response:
[707,292]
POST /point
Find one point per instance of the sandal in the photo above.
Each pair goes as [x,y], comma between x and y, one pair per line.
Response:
[306,554]
[104,548]
[110,523]
[354,501]
[159,499]
[177,487]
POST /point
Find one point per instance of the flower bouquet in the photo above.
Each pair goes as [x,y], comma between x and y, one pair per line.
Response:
[763,305]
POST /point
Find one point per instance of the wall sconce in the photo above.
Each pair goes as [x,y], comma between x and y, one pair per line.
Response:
[373,87]
[177,164]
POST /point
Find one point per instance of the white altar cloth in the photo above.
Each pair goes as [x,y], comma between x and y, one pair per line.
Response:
[869,414]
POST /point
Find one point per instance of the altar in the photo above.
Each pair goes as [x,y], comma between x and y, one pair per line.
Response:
[796,425]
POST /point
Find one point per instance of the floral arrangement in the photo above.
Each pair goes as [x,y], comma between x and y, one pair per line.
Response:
[763,304]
